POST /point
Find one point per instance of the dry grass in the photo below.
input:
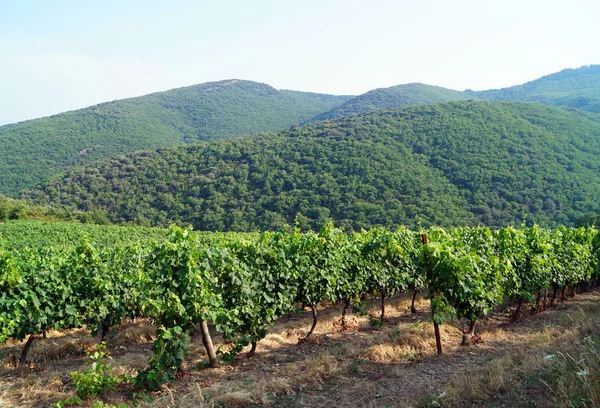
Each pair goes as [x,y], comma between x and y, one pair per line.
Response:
[34,391]
[140,332]
[130,363]
[231,394]
[239,399]
[57,349]
[57,346]
[403,345]
[318,368]
[561,359]
[249,393]
[577,374]
[191,399]
[497,376]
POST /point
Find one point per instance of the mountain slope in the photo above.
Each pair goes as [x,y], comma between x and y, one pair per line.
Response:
[393,97]
[576,88]
[445,164]
[32,151]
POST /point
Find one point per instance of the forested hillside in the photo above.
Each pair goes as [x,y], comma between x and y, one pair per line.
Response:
[394,97]
[20,210]
[576,88]
[443,164]
[33,151]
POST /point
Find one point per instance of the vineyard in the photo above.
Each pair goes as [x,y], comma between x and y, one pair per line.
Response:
[236,286]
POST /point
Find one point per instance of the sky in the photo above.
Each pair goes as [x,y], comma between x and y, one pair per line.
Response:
[62,55]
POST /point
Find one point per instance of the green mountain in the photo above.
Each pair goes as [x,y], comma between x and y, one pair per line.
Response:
[33,151]
[575,88]
[456,163]
[394,97]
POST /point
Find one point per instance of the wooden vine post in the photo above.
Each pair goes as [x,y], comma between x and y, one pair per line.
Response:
[436,327]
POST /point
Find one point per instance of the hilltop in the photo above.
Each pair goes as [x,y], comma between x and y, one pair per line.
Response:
[33,151]
[394,97]
[493,163]
[574,88]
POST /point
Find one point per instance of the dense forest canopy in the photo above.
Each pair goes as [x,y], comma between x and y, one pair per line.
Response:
[575,88]
[11,210]
[33,151]
[492,163]
[394,97]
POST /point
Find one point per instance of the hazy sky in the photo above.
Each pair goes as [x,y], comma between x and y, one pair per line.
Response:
[61,55]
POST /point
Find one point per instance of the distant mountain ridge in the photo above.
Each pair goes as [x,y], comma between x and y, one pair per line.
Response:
[392,98]
[575,88]
[33,151]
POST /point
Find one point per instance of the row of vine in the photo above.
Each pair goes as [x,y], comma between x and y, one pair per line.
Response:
[240,287]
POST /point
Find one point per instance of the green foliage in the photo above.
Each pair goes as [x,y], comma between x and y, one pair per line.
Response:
[39,297]
[18,235]
[319,261]
[180,283]
[571,88]
[259,289]
[97,379]
[575,376]
[588,220]
[94,381]
[355,366]
[110,281]
[511,246]
[376,323]
[360,308]
[454,164]
[19,210]
[100,404]
[170,349]
[180,294]
[392,98]
[353,276]
[242,284]
[533,259]
[391,260]
[9,279]
[574,256]
[33,151]
[39,150]
[465,272]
